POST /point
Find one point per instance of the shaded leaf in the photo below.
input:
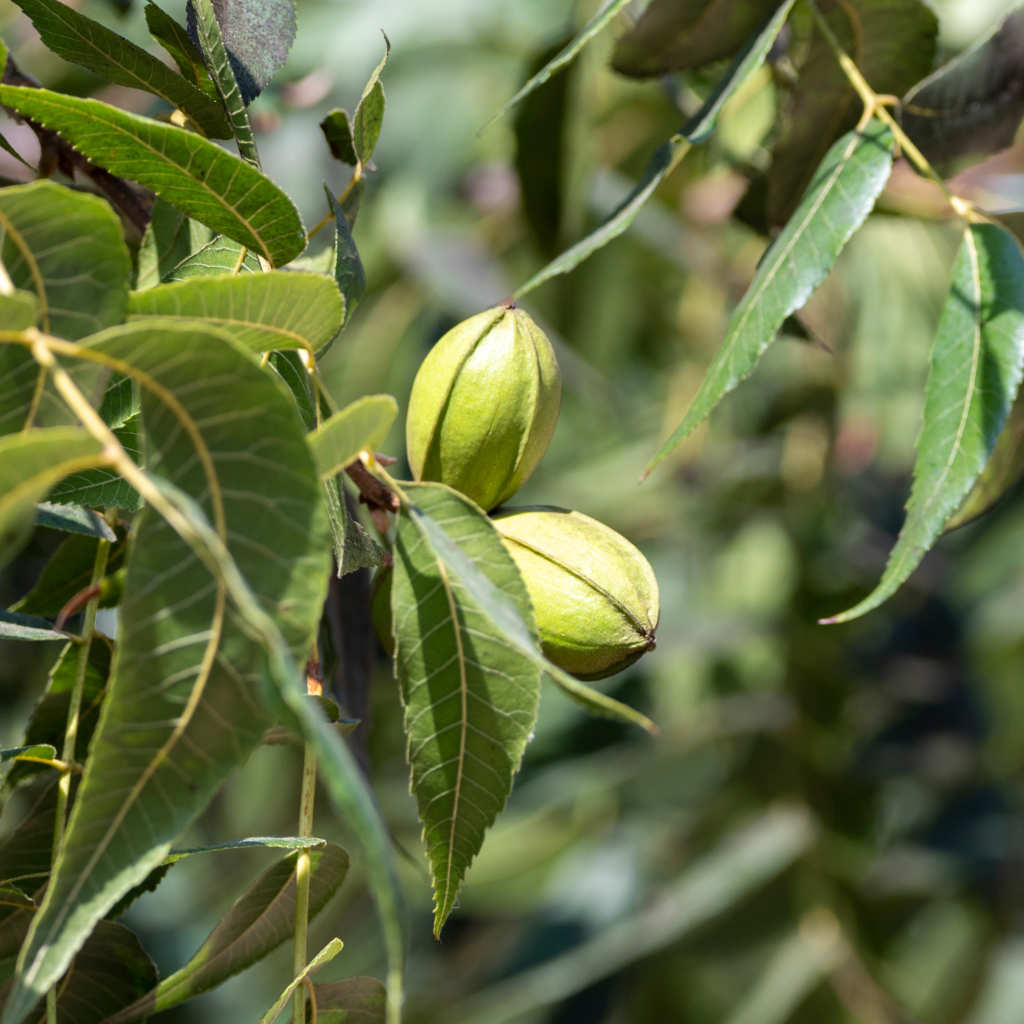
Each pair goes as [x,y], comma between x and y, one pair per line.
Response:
[26,849]
[73,519]
[174,38]
[30,464]
[675,35]
[259,921]
[194,174]
[665,159]
[18,310]
[68,571]
[103,488]
[470,697]
[257,36]
[360,426]
[89,44]
[218,256]
[974,104]
[161,748]
[348,267]
[892,42]
[351,1001]
[326,955]
[565,55]
[268,311]
[353,546]
[170,238]
[842,194]
[291,369]
[976,365]
[27,627]
[369,113]
[337,129]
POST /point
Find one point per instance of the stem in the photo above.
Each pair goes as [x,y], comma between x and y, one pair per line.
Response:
[302,866]
[99,568]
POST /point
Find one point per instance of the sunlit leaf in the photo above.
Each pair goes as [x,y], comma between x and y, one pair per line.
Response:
[38,750]
[976,365]
[326,955]
[842,194]
[219,256]
[369,113]
[27,627]
[175,40]
[358,427]
[194,174]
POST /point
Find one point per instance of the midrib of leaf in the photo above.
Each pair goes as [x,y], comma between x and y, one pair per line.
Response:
[37,275]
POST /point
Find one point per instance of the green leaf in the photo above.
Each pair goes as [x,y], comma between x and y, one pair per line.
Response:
[170,238]
[85,42]
[470,697]
[194,174]
[326,955]
[277,310]
[974,104]
[250,842]
[566,55]
[353,546]
[27,627]
[68,572]
[25,850]
[73,519]
[747,61]
[348,267]
[257,35]
[842,194]
[360,426]
[976,365]
[259,921]
[893,46]
[43,750]
[675,35]
[18,310]
[30,464]
[203,22]
[175,40]
[162,747]
[217,257]
[351,1001]
[370,112]
[665,160]
[291,369]
[337,129]
[103,488]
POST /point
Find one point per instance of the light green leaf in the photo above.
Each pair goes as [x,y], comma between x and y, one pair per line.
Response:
[326,955]
[566,55]
[192,173]
[30,464]
[211,42]
[218,256]
[470,697]
[747,61]
[370,113]
[259,921]
[38,750]
[162,748]
[169,238]
[276,310]
[27,627]
[842,194]
[350,1001]
[175,40]
[360,426]
[665,160]
[976,365]
[73,519]
[85,42]
[250,842]
[18,310]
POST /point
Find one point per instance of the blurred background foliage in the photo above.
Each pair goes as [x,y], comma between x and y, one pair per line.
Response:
[829,827]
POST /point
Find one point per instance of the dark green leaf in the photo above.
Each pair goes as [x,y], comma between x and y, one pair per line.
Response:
[73,519]
[974,104]
[892,42]
[259,921]
[351,1001]
[192,173]
[674,35]
[175,40]
[842,194]
[83,41]
[976,365]
[470,697]
[348,267]
[26,849]
[170,238]
[292,370]
[103,488]
[337,131]
[360,426]
[276,310]
[27,627]
[370,112]
[257,36]
[665,159]
[353,547]
[161,748]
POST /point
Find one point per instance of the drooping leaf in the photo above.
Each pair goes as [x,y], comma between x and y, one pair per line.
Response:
[18,310]
[369,113]
[170,237]
[259,921]
[665,159]
[348,267]
[73,519]
[183,706]
[747,61]
[976,365]
[203,23]
[27,627]
[470,698]
[893,46]
[360,426]
[175,40]
[974,104]
[262,312]
[337,129]
[30,464]
[257,36]
[83,41]
[103,488]
[842,194]
[351,1001]
[675,35]
[190,172]
[565,55]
